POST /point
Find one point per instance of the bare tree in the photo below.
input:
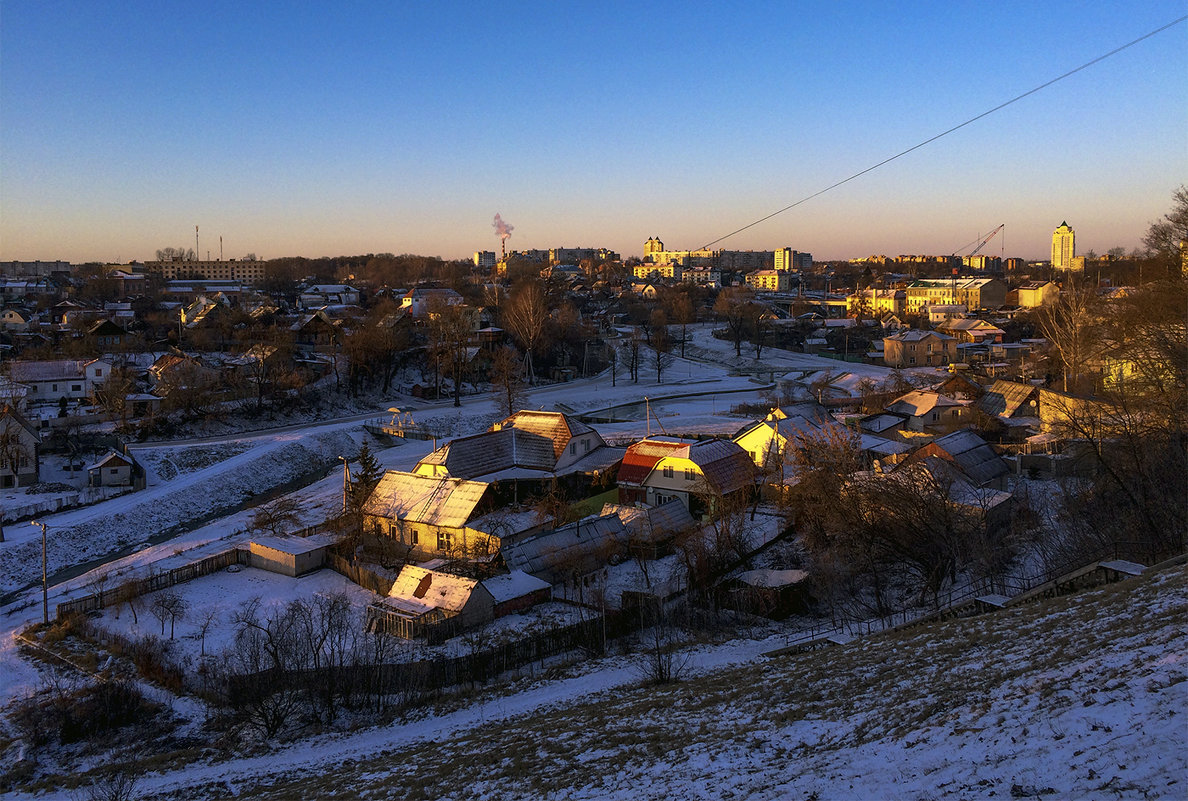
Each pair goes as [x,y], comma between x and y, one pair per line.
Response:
[276,516]
[732,307]
[1072,325]
[168,605]
[507,380]
[525,315]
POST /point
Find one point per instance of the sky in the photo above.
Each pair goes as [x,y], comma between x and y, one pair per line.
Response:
[319,129]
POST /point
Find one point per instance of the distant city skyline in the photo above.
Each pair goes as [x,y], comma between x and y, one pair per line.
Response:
[307,131]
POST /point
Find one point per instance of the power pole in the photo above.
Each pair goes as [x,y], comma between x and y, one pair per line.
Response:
[44,580]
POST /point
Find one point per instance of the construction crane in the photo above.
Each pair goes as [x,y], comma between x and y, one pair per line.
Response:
[979,244]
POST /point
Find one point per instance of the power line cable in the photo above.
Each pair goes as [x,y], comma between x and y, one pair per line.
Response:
[930,140]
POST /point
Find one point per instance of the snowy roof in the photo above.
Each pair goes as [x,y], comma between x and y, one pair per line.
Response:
[444,501]
[294,545]
[111,456]
[22,371]
[417,591]
[921,402]
[772,578]
[916,335]
[877,423]
[515,584]
[882,447]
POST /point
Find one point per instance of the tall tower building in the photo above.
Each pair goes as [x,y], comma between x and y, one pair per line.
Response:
[652,247]
[1063,247]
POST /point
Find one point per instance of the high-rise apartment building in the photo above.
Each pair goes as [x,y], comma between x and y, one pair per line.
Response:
[1063,247]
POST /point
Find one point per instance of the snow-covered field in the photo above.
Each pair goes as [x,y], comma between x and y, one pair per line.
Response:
[1084,696]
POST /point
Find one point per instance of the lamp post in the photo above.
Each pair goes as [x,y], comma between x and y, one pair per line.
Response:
[346,482]
[44,581]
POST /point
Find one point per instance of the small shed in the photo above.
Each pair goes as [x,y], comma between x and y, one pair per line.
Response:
[113,470]
[289,556]
[516,591]
[770,593]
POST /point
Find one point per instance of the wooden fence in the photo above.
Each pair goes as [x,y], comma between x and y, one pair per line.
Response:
[364,577]
[153,582]
[84,497]
[437,674]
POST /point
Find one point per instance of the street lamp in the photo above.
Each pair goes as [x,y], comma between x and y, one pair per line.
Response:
[44,581]
[346,482]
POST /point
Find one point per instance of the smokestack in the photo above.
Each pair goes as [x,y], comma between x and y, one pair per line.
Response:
[503,231]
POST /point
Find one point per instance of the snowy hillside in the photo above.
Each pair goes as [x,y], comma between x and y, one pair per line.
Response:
[1078,697]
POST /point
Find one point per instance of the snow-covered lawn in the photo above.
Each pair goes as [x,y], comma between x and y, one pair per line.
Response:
[1084,696]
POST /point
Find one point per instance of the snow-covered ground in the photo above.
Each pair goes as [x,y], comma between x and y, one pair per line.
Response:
[1084,696]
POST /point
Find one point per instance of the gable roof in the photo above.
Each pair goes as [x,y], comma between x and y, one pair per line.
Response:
[642,456]
[1005,398]
[554,426]
[492,451]
[9,413]
[920,402]
[971,454]
[571,550]
[915,335]
[652,523]
[440,501]
[418,590]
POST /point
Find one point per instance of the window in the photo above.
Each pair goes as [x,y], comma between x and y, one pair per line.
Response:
[688,473]
[668,471]
[444,541]
[98,372]
[573,447]
[585,446]
[76,387]
[113,471]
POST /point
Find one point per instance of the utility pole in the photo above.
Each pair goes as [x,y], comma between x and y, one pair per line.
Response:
[44,580]
[346,482]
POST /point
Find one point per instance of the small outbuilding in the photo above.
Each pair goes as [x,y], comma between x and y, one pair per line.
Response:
[289,556]
[113,470]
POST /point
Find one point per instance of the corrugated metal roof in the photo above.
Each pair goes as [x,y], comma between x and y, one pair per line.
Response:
[973,455]
[61,369]
[920,402]
[572,550]
[1004,398]
[651,523]
[445,501]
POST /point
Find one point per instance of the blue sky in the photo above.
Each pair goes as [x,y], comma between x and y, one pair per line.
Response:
[324,129]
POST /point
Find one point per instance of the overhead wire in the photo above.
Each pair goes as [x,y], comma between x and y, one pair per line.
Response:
[958,127]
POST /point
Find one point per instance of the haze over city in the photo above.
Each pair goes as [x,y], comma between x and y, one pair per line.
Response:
[290,130]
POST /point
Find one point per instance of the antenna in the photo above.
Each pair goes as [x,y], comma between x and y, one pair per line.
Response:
[196,250]
[220,248]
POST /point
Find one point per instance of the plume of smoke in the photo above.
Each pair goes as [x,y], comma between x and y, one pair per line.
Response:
[502,229]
